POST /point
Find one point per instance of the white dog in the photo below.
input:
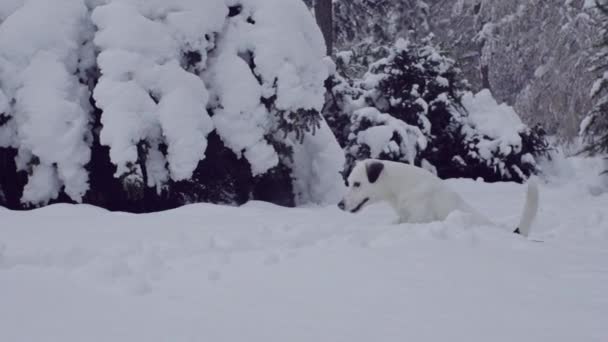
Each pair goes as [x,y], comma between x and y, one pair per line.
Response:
[417,195]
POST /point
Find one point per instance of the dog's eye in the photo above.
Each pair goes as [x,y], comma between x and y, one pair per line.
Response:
[356,185]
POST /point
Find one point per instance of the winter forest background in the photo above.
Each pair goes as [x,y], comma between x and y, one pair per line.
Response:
[149,105]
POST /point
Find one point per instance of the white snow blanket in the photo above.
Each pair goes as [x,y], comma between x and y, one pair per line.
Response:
[264,273]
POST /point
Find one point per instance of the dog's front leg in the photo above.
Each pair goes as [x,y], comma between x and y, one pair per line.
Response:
[401,219]
[401,211]
[404,213]
[416,206]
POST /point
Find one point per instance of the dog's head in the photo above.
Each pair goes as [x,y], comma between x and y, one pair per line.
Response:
[363,186]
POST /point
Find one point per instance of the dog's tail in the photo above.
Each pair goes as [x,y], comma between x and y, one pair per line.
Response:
[530,210]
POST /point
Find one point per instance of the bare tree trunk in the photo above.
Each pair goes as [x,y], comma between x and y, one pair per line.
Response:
[324,15]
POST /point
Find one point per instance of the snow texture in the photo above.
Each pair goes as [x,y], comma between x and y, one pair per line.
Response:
[266,273]
[241,119]
[295,62]
[3,103]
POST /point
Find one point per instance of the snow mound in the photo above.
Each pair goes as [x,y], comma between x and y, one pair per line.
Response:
[381,138]
[496,121]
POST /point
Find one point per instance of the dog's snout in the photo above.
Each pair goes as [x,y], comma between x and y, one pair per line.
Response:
[341,205]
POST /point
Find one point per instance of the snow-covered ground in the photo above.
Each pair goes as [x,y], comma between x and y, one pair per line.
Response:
[264,273]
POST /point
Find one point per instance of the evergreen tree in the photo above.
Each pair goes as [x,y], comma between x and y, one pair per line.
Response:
[595,126]
[324,15]
[408,107]
[361,22]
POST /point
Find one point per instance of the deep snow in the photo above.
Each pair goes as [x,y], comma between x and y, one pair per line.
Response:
[264,273]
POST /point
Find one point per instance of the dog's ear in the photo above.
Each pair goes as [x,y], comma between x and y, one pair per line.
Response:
[374,169]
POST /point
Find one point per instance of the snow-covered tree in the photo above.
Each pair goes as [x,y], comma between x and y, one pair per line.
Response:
[323,10]
[47,116]
[155,117]
[490,39]
[409,107]
[595,126]
[267,90]
[144,105]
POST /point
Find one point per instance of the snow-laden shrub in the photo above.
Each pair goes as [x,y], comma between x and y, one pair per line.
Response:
[149,101]
[48,117]
[409,107]
[499,145]
[268,92]
[379,135]
[144,105]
